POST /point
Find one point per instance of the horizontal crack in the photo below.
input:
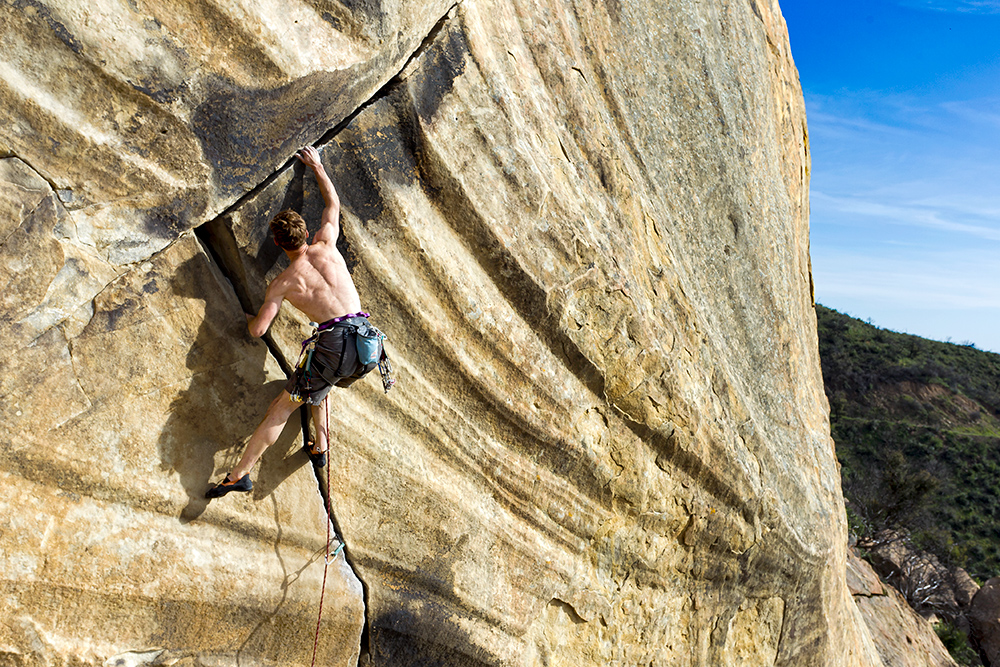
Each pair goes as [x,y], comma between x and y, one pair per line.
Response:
[329,135]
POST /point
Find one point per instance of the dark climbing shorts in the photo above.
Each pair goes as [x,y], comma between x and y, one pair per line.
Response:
[335,362]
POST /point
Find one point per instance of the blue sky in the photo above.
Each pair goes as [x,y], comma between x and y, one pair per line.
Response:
[903,105]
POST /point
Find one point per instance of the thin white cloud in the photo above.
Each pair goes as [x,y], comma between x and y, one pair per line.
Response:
[818,119]
[902,214]
[877,113]
[962,204]
[946,281]
[905,206]
[958,6]
[978,111]
[945,296]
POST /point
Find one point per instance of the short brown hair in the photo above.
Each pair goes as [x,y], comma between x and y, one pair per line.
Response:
[289,230]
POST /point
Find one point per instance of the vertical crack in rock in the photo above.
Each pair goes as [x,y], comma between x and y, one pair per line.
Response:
[76,375]
[535,527]
[58,195]
[220,244]
[324,492]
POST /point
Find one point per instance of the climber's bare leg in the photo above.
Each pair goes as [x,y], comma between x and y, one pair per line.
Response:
[266,433]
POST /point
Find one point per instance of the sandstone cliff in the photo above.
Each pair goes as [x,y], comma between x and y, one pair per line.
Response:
[584,227]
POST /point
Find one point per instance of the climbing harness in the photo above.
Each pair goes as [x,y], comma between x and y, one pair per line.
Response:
[369,346]
[328,558]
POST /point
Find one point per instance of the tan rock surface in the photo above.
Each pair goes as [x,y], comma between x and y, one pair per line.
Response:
[861,578]
[903,637]
[965,587]
[584,229]
[150,118]
[111,429]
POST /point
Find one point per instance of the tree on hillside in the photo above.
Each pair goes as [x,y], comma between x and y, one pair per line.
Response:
[886,498]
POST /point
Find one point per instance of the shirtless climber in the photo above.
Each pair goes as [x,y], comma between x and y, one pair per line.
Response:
[318,283]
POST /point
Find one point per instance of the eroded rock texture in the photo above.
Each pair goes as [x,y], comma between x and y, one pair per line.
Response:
[584,227]
[902,637]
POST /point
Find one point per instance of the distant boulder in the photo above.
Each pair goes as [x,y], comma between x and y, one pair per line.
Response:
[984,617]
[965,587]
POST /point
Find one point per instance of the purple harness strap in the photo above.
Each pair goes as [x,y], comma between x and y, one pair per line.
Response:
[329,323]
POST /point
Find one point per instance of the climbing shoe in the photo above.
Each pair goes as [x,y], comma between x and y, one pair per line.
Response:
[243,484]
[318,458]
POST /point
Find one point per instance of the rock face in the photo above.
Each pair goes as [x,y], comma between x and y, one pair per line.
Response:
[112,428]
[903,637]
[965,588]
[584,228]
[984,617]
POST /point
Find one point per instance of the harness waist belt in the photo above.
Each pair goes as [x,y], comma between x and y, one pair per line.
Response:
[330,323]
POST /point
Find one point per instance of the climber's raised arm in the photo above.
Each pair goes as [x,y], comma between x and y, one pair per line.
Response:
[330,222]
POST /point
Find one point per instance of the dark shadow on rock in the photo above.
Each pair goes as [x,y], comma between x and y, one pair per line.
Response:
[226,398]
[281,459]
[244,267]
[402,637]
[395,642]
[415,626]
[246,132]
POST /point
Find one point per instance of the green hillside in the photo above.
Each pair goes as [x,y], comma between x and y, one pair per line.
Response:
[917,428]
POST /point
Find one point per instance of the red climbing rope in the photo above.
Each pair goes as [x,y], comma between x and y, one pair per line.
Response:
[329,521]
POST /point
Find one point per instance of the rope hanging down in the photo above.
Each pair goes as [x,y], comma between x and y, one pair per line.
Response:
[328,557]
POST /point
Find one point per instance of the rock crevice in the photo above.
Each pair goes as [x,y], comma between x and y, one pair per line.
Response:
[220,244]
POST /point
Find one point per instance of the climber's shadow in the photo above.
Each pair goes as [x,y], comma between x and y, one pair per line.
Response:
[226,399]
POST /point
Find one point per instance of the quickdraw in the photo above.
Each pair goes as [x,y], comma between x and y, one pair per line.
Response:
[384,367]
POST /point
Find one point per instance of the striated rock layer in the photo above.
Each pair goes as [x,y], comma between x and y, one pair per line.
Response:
[584,228]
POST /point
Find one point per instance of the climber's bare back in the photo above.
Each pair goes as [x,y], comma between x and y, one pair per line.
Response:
[318,283]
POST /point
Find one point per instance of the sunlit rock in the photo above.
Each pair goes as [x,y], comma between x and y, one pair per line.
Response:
[584,229]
